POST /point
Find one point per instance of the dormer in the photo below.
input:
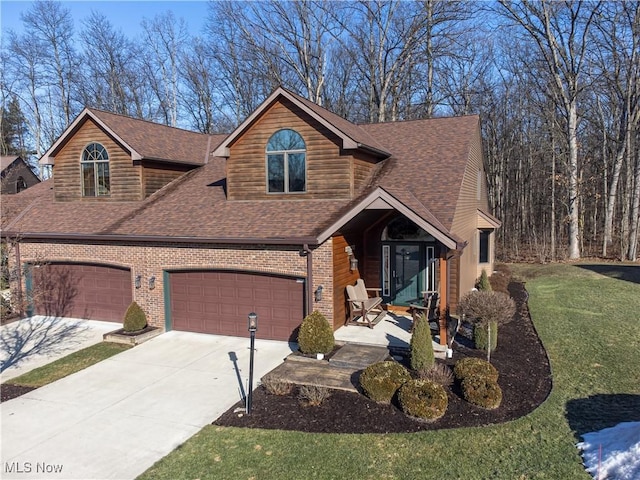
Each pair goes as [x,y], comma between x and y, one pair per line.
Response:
[106,157]
[290,148]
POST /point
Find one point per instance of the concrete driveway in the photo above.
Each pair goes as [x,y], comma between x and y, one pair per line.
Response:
[35,341]
[116,418]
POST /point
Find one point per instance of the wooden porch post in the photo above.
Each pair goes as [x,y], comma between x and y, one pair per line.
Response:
[444,298]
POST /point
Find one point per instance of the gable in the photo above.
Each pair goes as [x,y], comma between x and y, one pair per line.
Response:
[331,172]
[125,177]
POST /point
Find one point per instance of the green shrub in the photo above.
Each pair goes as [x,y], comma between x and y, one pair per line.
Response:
[481,391]
[480,334]
[381,380]
[316,335]
[423,399]
[422,356]
[475,367]
[135,318]
[483,281]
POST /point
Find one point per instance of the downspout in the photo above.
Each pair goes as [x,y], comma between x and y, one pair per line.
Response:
[309,289]
[19,275]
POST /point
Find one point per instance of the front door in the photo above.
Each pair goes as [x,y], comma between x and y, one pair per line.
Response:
[408,269]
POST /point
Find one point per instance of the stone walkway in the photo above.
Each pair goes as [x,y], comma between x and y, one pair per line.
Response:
[341,372]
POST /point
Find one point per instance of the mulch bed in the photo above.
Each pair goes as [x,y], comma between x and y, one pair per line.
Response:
[525,379]
[9,391]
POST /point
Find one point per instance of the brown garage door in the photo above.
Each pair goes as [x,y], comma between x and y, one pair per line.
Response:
[94,292]
[218,302]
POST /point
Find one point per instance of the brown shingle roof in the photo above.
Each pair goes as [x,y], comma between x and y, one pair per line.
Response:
[429,160]
[160,142]
[425,173]
[5,161]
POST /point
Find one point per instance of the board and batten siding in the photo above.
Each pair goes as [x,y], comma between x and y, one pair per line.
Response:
[465,219]
[67,178]
[329,172]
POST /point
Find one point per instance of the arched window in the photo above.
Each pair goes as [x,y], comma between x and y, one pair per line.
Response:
[286,162]
[20,185]
[95,171]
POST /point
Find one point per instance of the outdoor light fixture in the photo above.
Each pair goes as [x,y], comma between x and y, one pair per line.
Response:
[253,326]
[353,263]
[317,295]
[138,281]
[152,282]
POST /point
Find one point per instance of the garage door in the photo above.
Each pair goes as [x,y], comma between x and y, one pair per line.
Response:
[94,292]
[219,302]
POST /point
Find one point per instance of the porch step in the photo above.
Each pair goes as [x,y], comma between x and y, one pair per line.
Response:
[358,356]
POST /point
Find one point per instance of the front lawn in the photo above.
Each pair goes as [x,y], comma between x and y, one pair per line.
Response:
[67,365]
[587,318]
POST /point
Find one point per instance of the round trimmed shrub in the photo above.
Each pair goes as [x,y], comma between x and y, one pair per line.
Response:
[482,392]
[316,335]
[423,399]
[475,367]
[134,318]
[380,381]
[422,356]
[481,333]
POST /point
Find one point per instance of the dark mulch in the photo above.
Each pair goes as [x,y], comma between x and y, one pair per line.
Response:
[525,379]
[9,391]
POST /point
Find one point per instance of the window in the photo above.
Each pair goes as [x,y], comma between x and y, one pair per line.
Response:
[286,162]
[485,235]
[20,185]
[95,171]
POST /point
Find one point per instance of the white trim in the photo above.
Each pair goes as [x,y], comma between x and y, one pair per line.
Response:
[222,150]
[48,159]
[374,198]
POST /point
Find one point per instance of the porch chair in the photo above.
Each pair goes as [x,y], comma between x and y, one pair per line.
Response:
[361,306]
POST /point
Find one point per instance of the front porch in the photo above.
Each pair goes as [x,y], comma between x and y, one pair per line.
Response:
[393,332]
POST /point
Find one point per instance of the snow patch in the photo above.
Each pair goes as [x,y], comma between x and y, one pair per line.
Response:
[612,453]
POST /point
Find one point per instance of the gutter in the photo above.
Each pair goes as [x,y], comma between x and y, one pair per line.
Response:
[158,238]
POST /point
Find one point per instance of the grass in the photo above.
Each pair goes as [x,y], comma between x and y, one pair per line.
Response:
[72,363]
[589,324]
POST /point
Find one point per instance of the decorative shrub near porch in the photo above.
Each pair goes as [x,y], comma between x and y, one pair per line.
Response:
[382,380]
[423,399]
[482,392]
[316,335]
[471,366]
[479,382]
[422,356]
[486,310]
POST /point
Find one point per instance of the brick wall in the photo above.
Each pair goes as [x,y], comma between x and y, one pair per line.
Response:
[153,259]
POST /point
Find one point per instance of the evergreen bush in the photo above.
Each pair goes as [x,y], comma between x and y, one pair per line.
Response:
[483,281]
[382,380]
[316,335]
[482,392]
[481,334]
[422,356]
[134,319]
[474,367]
[423,399]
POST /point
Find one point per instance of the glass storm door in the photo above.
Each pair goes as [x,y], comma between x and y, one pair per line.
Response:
[407,271]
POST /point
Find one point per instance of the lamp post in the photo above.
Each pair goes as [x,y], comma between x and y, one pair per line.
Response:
[253,326]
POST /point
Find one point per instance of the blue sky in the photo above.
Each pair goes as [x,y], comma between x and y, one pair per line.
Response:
[124,15]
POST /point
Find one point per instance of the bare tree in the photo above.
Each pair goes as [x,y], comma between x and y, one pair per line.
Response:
[560,32]
[165,38]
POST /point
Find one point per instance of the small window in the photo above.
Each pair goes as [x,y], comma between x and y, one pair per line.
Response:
[286,162]
[485,236]
[96,181]
[20,185]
